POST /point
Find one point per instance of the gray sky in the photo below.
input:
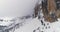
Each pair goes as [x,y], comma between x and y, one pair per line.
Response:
[14,8]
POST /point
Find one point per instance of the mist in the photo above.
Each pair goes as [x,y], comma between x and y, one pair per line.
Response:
[16,8]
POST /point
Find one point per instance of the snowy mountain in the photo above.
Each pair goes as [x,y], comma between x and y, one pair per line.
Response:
[16,16]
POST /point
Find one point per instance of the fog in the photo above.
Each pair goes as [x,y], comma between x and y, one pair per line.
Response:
[16,8]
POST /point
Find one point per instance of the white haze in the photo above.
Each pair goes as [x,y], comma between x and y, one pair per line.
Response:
[16,8]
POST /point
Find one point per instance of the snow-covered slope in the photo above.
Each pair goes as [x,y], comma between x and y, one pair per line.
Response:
[35,24]
[29,26]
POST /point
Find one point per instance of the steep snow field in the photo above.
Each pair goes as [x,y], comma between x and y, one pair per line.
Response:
[29,26]
[35,23]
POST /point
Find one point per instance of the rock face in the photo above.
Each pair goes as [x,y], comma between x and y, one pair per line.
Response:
[48,9]
[51,10]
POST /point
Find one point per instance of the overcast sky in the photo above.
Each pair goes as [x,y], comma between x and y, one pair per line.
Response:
[14,8]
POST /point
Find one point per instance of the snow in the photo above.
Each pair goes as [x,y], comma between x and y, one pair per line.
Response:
[29,26]
[33,24]
[54,27]
[5,23]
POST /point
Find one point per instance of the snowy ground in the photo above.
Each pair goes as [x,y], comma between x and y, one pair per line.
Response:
[34,24]
[29,26]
